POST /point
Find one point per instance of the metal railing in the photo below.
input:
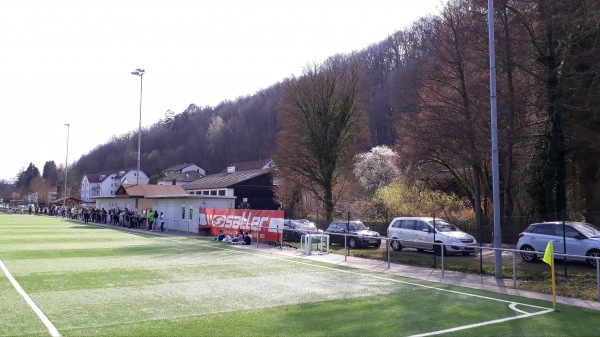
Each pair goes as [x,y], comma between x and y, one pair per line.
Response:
[442,254]
[176,225]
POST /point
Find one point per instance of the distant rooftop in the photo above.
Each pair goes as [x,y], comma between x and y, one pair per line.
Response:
[251,165]
[224,179]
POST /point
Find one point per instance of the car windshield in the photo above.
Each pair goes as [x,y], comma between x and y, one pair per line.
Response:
[444,226]
[305,224]
[357,226]
[588,230]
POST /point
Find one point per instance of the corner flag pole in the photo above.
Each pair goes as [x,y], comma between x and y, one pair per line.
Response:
[549,259]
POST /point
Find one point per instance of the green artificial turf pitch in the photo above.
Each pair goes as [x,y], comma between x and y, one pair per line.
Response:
[96,281]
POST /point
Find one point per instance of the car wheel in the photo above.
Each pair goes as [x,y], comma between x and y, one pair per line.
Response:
[527,257]
[466,253]
[352,243]
[396,245]
[437,249]
[593,253]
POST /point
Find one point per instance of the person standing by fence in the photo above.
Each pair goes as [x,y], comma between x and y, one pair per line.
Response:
[86,215]
[162,221]
[150,220]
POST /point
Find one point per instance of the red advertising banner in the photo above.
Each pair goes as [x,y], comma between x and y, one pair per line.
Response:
[266,224]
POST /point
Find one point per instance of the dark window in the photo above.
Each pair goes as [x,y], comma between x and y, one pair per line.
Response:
[222,193]
[409,224]
[397,224]
[422,226]
[545,229]
[570,232]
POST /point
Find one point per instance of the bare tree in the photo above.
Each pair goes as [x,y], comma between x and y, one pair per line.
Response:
[321,117]
[73,182]
[517,91]
[451,128]
[216,140]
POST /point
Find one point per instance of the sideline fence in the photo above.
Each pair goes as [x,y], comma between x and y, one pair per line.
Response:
[479,250]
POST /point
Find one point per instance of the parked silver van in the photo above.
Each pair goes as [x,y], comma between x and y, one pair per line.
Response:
[419,233]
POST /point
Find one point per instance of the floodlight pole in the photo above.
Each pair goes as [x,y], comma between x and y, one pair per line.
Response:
[66,163]
[139,72]
[495,161]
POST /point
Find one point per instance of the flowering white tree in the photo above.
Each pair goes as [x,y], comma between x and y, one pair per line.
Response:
[377,167]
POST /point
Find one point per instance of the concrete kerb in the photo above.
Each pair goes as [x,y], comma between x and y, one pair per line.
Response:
[472,281]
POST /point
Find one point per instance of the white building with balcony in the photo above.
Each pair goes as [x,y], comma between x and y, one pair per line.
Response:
[106,184]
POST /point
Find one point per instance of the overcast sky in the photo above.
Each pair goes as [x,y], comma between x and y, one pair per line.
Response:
[70,61]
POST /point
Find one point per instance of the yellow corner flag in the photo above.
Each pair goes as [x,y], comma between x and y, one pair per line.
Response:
[549,254]
[549,259]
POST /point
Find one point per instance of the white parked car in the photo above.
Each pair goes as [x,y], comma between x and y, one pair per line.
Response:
[580,239]
[419,233]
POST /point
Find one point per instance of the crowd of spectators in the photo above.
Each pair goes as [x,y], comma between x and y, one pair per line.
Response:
[114,216]
[126,218]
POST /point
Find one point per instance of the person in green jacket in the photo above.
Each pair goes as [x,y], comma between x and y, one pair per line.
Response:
[150,220]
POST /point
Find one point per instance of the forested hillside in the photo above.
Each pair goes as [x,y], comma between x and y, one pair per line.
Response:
[427,95]
[211,137]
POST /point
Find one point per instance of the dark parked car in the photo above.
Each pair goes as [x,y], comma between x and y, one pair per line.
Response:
[355,232]
[294,229]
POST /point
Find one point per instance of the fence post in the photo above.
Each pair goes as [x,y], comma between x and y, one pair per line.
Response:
[480,251]
[598,277]
[514,269]
[346,237]
[442,253]
[345,247]
[257,234]
[387,248]
[564,242]
[434,245]
[280,238]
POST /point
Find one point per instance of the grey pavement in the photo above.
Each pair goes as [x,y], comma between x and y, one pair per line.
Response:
[467,280]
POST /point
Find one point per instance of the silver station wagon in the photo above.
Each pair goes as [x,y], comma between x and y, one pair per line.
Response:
[419,233]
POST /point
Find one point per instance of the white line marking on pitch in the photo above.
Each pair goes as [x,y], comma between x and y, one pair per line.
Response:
[51,328]
[512,304]
[377,277]
[464,327]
